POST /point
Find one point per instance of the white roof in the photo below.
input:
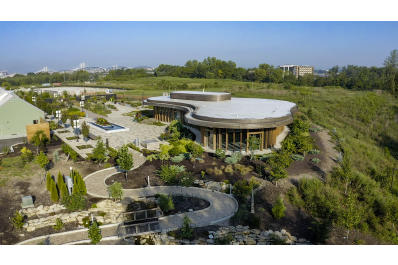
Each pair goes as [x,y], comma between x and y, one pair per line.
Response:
[237,108]
[200,93]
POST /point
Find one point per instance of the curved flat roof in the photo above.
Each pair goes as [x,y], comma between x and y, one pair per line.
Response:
[243,112]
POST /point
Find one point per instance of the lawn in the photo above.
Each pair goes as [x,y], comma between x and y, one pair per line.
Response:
[14,167]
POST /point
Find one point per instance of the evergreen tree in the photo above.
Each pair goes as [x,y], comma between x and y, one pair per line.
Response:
[63,189]
[48,181]
[94,233]
[278,209]
[99,152]
[54,191]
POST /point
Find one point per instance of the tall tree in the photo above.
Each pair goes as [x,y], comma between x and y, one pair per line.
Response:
[39,139]
[125,160]
[42,161]
[99,152]
[392,59]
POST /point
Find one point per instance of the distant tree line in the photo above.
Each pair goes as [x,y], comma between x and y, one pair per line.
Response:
[350,77]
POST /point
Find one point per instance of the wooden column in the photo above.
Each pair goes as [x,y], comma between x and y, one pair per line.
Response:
[202,136]
[241,138]
[233,140]
[214,139]
[219,138]
[247,140]
[226,140]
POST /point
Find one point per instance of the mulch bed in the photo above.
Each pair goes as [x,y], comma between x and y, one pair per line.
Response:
[183,204]
[138,178]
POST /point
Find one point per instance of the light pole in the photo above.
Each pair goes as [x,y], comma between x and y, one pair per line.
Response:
[58,115]
[82,104]
[75,124]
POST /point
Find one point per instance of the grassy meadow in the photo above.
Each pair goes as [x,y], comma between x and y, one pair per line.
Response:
[367,122]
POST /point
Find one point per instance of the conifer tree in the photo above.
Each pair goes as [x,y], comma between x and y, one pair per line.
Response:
[63,189]
[54,192]
[48,181]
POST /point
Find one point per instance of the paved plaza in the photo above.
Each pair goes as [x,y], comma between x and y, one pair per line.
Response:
[140,131]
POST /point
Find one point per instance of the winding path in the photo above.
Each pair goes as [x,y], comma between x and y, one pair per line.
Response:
[222,207]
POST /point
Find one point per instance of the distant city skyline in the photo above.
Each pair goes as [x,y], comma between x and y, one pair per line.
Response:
[29,46]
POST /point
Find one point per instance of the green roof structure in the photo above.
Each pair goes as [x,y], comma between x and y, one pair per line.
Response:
[15,114]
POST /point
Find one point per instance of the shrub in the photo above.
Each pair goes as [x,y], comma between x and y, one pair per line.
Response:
[220,153]
[178,159]
[242,189]
[314,151]
[152,157]
[186,229]
[278,209]
[315,160]
[94,233]
[99,152]
[217,172]
[186,179]
[229,169]
[26,155]
[58,224]
[85,130]
[102,121]
[69,152]
[170,174]
[107,165]
[112,152]
[243,170]
[297,157]
[165,203]
[134,147]
[115,191]
[177,149]
[74,202]
[234,158]
[195,149]
[18,220]
[225,240]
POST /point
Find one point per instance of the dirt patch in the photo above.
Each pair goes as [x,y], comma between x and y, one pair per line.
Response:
[296,222]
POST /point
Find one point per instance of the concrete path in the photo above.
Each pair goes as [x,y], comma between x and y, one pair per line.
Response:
[222,207]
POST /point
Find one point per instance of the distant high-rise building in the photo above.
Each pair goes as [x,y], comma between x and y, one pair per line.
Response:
[297,70]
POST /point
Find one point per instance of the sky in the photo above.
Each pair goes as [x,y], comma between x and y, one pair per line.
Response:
[29,46]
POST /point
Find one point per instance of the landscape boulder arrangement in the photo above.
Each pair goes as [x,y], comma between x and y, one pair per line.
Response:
[228,235]
[105,212]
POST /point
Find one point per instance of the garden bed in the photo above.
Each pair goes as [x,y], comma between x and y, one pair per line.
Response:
[138,178]
[85,146]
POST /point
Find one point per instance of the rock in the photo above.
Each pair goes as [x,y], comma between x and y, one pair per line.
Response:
[210,241]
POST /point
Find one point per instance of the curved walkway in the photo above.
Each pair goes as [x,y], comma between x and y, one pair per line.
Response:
[222,207]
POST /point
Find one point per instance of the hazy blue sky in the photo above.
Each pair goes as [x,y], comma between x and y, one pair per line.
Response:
[28,46]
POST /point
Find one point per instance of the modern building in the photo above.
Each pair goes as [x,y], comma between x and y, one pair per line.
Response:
[220,121]
[15,115]
[297,70]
